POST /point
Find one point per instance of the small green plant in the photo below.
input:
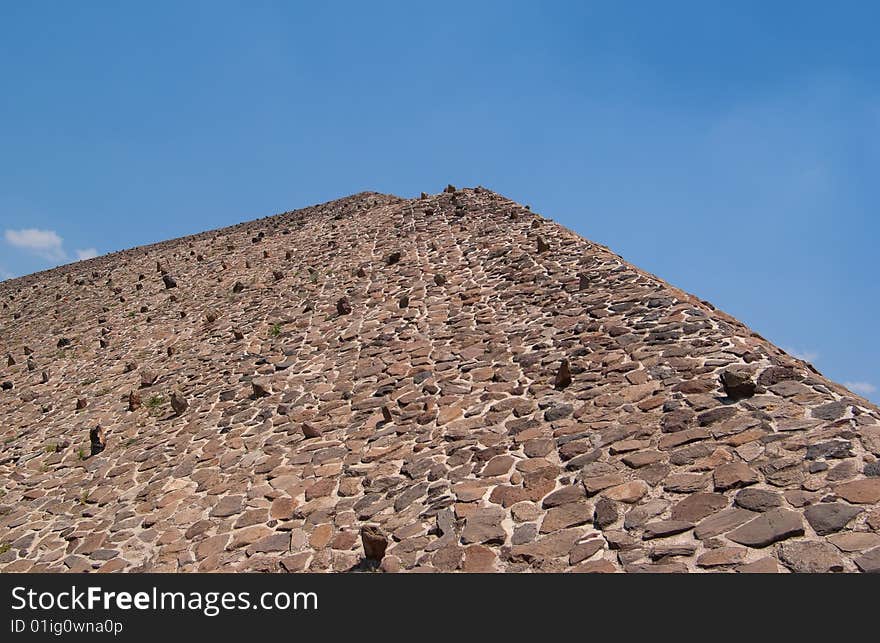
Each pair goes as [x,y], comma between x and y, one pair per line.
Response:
[155,402]
[81,453]
[89,381]
[275,331]
[84,497]
[51,448]
[4,547]
[131,313]
[130,442]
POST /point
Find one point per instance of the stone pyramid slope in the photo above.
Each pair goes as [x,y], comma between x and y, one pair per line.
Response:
[484,388]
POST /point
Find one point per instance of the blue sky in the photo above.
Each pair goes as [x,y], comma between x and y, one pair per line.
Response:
[729,147]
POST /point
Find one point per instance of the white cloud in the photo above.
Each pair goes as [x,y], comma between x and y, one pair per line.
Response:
[45,243]
[807,356]
[862,388]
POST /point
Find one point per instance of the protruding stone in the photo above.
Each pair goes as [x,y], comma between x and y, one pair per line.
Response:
[97,440]
[169,281]
[563,376]
[738,385]
[310,430]
[343,307]
[134,400]
[178,403]
[374,541]
[261,388]
[543,246]
[148,377]
[605,513]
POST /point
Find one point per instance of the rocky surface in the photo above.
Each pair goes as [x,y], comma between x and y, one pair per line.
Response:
[452,382]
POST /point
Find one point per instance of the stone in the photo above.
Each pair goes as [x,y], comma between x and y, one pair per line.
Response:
[721,522]
[478,559]
[852,541]
[227,506]
[640,514]
[605,513]
[758,499]
[261,388]
[810,557]
[556,545]
[766,565]
[279,542]
[178,403]
[697,506]
[860,492]
[343,307]
[169,281]
[830,449]
[768,528]
[543,246]
[830,411]
[664,528]
[558,412]
[733,475]
[483,526]
[830,517]
[97,440]
[628,492]
[585,550]
[310,430]
[776,374]
[374,541]
[568,515]
[134,400]
[723,556]
[148,377]
[563,376]
[869,563]
[737,385]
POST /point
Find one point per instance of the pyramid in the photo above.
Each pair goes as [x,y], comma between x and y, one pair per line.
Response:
[447,383]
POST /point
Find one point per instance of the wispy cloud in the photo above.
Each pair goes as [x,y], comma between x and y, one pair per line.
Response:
[45,243]
[862,388]
[88,253]
[806,355]
[5,274]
